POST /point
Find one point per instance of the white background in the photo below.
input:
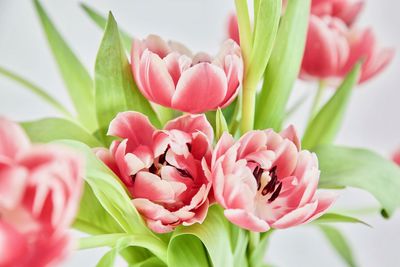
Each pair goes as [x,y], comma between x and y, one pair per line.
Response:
[372,121]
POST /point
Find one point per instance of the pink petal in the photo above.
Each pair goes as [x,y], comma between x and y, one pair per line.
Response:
[13,181]
[13,246]
[291,134]
[191,124]
[157,45]
[156,81]
[225,142]
[200,214]
[200,88]
[251,142]
[246,220]
[286,158]
[153,211]
[325,201]
[133,126]
[159,227]
[13,140]
[233,28]
[296,217]
[107,158]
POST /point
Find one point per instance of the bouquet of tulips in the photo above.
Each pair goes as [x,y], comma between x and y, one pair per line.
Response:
[174,158]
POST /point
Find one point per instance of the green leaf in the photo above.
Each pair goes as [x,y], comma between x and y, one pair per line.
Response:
[339,218]
[187,251]
[283,66]
[239,241]
[257,256]
[220,124]
[108,260]
[360,168]
[112,196]
[51,129]
[115,88]
[150,262]
[266,28]
[339,243]
[101,21]
[36,90]
[213,233]
[326,124]
[76,77]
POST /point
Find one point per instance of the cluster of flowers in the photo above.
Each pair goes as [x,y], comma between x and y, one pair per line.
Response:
[262,180]
[40,188]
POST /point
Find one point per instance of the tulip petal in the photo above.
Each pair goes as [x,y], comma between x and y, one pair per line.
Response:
[246,220]
[200,88]
[191,124]
[13,140]
[296,217]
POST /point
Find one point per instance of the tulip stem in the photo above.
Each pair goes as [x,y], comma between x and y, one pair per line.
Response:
[254,239]
[317,99]
[248,109]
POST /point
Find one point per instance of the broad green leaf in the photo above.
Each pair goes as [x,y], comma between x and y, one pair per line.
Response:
[360,168]
[220,124]
[239,241]
[51,129]
[339,243]
[101,21]
[108,260]
[106,240]
[326,124]
[112,196]
[36,90]
[115,88]
[338,218]
[150,262]
[283,66]
[265,30]
[76,77]
[213,233]
[185,250]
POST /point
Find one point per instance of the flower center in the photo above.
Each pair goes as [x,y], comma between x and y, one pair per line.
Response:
[272,187]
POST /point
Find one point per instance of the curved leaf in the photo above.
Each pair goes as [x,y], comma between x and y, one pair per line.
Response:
[326,124]
[186,250]
[115,89]
[220,124]
[360,168]
[213,233]
[36,90]
[76,78]
[51,129]
[339,218]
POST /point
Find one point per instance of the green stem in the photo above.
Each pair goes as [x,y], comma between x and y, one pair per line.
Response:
[242,12]
[254,239]
[248,109]
[317,99]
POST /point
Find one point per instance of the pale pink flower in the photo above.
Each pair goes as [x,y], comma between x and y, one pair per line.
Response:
[332,49]
[168,74]
[40,188]
[346,10]
[265,180]
[162,169]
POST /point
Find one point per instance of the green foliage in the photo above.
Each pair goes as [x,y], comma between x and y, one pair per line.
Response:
[283,66]
[341,167]
[338,218]
[326,124]
[76,78]
[115,87]
[51,129]
[220,124]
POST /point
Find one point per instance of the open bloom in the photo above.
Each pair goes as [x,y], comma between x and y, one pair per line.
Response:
[162,169]
[332,49]
[168,74]
[40,187]
[265,180]
[346,10]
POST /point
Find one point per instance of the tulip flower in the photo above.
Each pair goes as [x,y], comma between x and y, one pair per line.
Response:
[233,28]
[162,169]
[168,74]
[327,48]
[265,180]
[40,188]
[332,49]
[346,10]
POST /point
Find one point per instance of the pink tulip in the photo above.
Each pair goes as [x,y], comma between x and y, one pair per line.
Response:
[265,180]
[168,74]
[162,169]
[396,157]
[346,10]
[40,188]
[364,46]
[327,48]
[233,28]
[332,49]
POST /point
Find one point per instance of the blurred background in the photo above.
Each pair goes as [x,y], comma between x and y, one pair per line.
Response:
[373,119]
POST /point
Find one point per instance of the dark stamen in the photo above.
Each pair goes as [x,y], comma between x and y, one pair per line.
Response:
[184,173]
[189,146]
[257,174]
[276,193]
[270,187]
